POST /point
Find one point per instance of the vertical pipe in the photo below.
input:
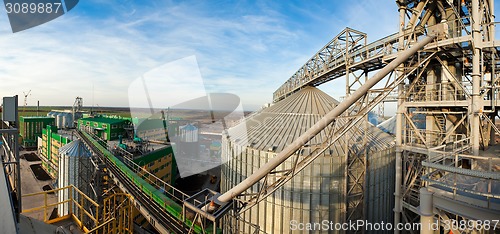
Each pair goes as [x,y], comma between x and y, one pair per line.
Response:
[476,77]
[399,154]
[425,210]
[399,127]
[365,159]
[493,72]
[492,19]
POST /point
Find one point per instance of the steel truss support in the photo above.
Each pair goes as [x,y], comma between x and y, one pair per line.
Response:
[449,109]
[117,214]
[273,179]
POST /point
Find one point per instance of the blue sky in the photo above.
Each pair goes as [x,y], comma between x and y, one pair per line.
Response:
[248,48]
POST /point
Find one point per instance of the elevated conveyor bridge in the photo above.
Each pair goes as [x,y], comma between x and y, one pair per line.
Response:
[349,52]
[158,201]
[409,52]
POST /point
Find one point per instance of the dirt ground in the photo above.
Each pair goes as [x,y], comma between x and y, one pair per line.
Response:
[30,184]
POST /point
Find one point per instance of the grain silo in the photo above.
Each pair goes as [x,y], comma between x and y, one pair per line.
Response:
[353,180]
[74,161]
[59,119]
[188,133]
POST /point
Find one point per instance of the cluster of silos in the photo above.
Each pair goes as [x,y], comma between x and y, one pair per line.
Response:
[73,169]
[327,188]
[64,118]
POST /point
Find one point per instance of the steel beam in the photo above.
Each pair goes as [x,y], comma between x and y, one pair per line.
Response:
[321,124]
[461,208]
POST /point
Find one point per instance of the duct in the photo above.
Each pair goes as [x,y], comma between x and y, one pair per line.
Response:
[425,210]
[440,7]
[427,15]
[416,14]
[455,120]
[320,125]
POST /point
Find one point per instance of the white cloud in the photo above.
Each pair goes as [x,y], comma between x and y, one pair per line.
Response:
[248,54]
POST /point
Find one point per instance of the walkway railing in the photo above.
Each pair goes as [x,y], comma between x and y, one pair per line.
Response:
[334,59]
[77,211]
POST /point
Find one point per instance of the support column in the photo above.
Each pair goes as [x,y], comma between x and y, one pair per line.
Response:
[398,200]
[425,210]
[492,37]
[492,19]
[476,78]
[347,65]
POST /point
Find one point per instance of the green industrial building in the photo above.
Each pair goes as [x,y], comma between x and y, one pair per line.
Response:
[161,163]
[105,127]
[30,128]
[52,140]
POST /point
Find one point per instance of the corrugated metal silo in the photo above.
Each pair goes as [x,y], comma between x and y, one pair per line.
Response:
[188,133]
[74,158]
[67,120]
[59,119]
[323,190]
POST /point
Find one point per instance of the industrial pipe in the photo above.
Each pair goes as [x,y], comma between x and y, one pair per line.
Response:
[290,149]
[416,14]
[399,124]
[427,15]
[425,210]
[441,10]
[476,77]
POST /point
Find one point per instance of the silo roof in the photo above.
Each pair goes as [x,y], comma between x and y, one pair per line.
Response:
[188,127]
[75,148]
[389,125]
[276,126]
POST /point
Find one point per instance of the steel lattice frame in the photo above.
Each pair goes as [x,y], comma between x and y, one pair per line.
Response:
[454,94]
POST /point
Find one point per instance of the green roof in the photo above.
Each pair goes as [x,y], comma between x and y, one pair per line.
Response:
[104,120]
[153,156]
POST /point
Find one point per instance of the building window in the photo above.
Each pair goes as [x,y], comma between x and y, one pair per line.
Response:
[113,126]
[104,125]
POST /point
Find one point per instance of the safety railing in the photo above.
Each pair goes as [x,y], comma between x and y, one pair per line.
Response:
[446,91]
[494,29]
[320,67]
[156,182]
[464,176]
[436,140]
[77,203]
[457,143]
[153,180]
